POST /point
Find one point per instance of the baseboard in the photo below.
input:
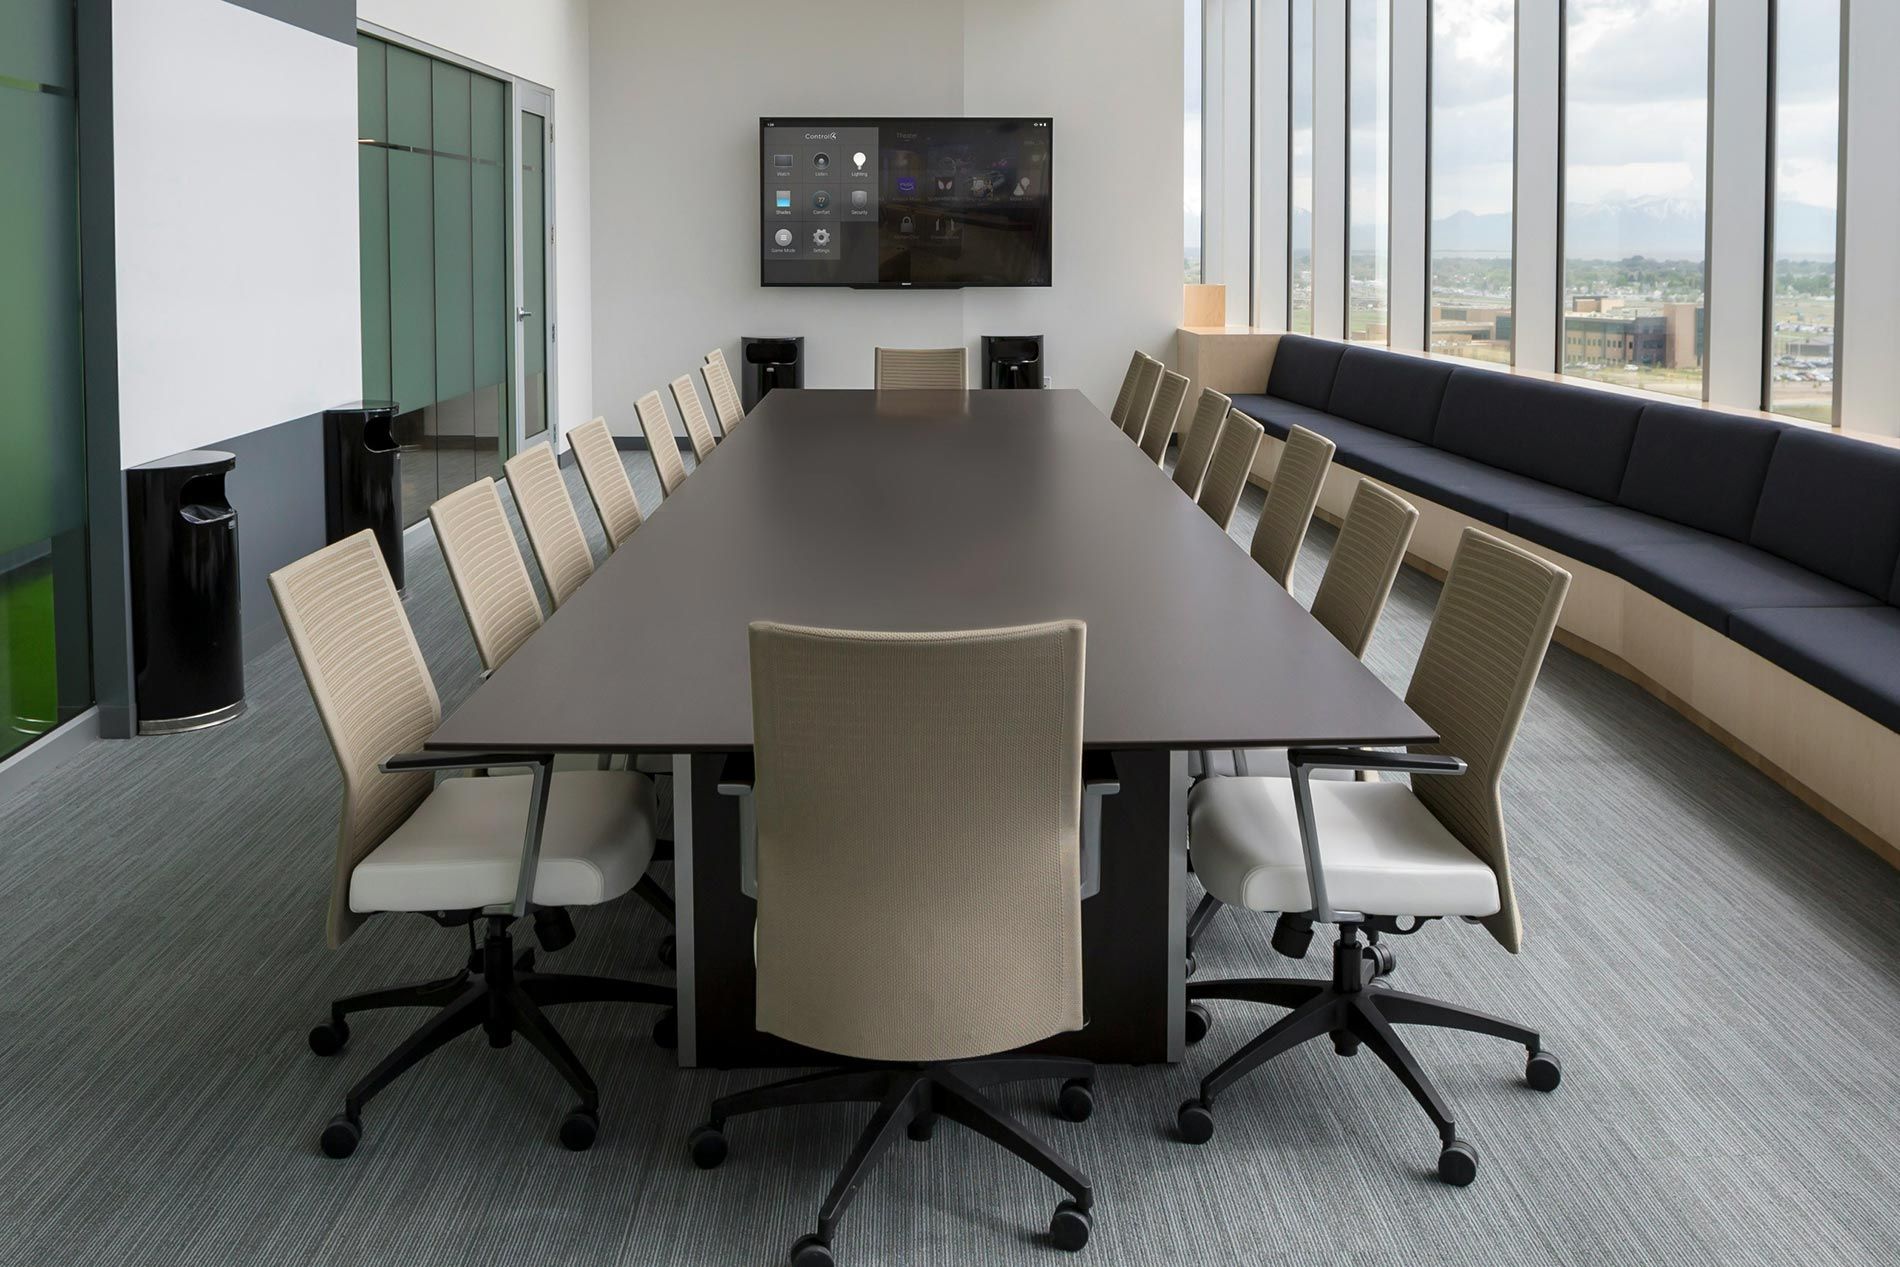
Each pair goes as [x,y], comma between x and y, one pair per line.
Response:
[48,753]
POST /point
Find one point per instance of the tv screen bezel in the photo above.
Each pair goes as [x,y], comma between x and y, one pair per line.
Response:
[879,121]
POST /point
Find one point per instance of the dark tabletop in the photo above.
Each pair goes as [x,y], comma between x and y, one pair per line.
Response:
[930,510]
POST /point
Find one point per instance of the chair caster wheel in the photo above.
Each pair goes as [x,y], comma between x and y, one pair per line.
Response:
[1198,1023]
[328,1038]
[1345,1045]
[666,1030]
[1543,1071]
[708,1145]
[1191,964]
[1076,1101]
[578,1129]
[1070,1226]
[341,1136]
[1381,959]
[922,1127]
[669,951]
[1458,1163]
[1195,1120]
[809,1251]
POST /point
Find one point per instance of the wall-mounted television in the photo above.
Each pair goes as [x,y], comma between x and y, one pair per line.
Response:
[904,203]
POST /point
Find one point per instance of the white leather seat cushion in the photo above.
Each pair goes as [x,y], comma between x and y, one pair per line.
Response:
[461,849]
[1384,852]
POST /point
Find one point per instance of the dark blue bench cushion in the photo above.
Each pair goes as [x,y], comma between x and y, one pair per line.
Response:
[1852,653]
[1698,467]
[1715,577]
[1573,437]
[1281,416]
[1303,370]
[1472,488]
[1832,505]
[1599,535]
[1397,394]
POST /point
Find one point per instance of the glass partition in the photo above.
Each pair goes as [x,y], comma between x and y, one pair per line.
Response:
[45,641]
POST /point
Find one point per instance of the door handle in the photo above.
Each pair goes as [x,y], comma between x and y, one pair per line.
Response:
[522,314]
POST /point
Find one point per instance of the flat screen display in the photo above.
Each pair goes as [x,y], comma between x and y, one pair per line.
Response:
[904,203]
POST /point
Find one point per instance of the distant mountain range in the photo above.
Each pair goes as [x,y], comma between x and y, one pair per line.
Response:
[1660,228]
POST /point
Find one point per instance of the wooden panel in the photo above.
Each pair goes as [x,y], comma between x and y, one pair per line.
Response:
[1203,305]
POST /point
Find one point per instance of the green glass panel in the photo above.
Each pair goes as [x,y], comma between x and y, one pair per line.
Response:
[373,218]
[488,122]
[490,296]
[36,42]
[411,280]
[451,108]
[410,106]
[534,268]
[44,636]
[372,89]
[454,281]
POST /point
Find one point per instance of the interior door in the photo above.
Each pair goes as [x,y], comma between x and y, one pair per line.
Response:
[535,331]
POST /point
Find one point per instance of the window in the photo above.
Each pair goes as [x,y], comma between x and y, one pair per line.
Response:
[1806,155]
[1369,169]
[1191,143]
[1474,116]
[1635,192]
[1299,212]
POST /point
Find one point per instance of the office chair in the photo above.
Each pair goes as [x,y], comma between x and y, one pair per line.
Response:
[1197,446]
[1352,595]
[698,427]
[485,564]
[1164,415]
[1125,398]
[921,853]
[1233,461]
[660,442]
[607,484]
[907,369]
[554,530]
[1147,383]
[1291,500]
[463,851]
[719,386]
[1386,858]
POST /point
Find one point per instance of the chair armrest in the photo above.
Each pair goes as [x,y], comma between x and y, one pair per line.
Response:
[738,778]
[1302,762]
[1100,779]
[1374,759]
[412,762]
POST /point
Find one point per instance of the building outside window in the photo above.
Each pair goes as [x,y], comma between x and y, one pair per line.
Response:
[1369,170]
[1299,210]
[1194,84]
[1635,225]
[1801,303]
[1473,127]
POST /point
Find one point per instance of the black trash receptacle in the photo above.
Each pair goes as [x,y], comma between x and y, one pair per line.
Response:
[187,621]
[1012,360]
[362,477]
[770,363]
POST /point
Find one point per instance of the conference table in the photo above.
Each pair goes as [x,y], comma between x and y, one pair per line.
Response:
[935,510]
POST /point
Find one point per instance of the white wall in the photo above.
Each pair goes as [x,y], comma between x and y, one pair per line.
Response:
[545,41]
[236,233]
[1870,253]
[677,94]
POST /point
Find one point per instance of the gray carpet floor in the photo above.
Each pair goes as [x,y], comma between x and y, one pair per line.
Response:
[1716,965]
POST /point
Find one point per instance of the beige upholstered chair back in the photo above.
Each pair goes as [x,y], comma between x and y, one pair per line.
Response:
[554,530]
[1227,473]
[606,480]
[372,690]
[698,426]
[1291,499]
[485,564]
[1364,563]
[1125,398]
[1147,381]
[1197,446]
[660,442]
[918,815]
[1473,680]
[1164,415]
[922,368]
[725,396]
